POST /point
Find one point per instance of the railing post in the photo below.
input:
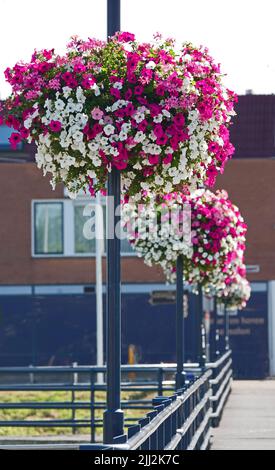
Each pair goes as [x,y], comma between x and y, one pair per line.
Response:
[180,376]
[113,416]
[92,409]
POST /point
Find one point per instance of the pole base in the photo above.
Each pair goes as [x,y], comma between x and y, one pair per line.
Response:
[113,425]
[180,380]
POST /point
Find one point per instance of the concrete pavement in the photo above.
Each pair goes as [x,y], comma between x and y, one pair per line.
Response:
[248,422]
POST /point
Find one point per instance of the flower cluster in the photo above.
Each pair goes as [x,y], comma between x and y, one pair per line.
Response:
[218,241]
[237,293]
[160,229]
[159,116]
[216,251]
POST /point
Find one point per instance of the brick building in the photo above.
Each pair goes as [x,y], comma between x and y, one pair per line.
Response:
[47,268]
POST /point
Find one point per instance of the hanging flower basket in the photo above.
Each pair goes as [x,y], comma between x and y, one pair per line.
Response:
[215,251]
[237,293]
[158,115]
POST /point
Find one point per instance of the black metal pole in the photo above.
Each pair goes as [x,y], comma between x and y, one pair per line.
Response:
[226,329]
[113,417]
[201,340]
[180,376]
[216,336]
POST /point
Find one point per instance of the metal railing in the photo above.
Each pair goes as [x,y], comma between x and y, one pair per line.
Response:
[148,379]
[179,422]
[221,385]
[188,414]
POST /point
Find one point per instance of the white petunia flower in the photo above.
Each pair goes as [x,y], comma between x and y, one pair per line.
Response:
[151,65]
[96,89]
[123,136]
[109,129]
[157,119]
[59,105]
[139,137]
[117,85]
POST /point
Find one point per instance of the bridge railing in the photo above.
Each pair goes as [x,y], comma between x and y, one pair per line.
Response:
[179,422]
[155,380]
[206,392]
[221,385]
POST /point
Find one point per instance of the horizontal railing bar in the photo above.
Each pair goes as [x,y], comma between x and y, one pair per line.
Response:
[68,388]
[217,413]
[207,439]
[69,406]
[93,369]
[221,374]
[199,431]
[182,431]
[137,440]
[97,423]
[222,387]
[40,447]
[190,391]
[46,424]
[214,365]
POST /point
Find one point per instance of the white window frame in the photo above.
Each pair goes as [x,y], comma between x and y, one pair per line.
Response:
[68,230]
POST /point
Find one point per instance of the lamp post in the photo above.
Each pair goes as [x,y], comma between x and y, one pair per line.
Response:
[180,376]
[201,339]
[215,335]
[226,329]
[113,416]
[99,294]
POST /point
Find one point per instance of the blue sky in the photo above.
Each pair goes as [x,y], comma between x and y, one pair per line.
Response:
[239,33]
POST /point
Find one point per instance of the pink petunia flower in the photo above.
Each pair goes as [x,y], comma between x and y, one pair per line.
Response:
[97,114]
[158,130]
[153,159]
[162,139]
[55,126]
[126,37]
[24,133]
[179,120]
[168,159]
[15,139]
[115,92]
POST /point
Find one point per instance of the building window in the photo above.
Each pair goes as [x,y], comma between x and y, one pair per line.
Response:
[5,133]
[67,228]
[48,228]
[84,241]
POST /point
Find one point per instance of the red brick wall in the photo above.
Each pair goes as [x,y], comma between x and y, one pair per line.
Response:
[250,183]
[19,184]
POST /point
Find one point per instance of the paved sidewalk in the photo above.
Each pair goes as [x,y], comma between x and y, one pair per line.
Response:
[248,422]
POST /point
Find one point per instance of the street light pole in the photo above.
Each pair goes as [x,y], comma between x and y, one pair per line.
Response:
[99,294]
[113,417]
[180,377]
[226,329]
[201,341]
[215,330]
